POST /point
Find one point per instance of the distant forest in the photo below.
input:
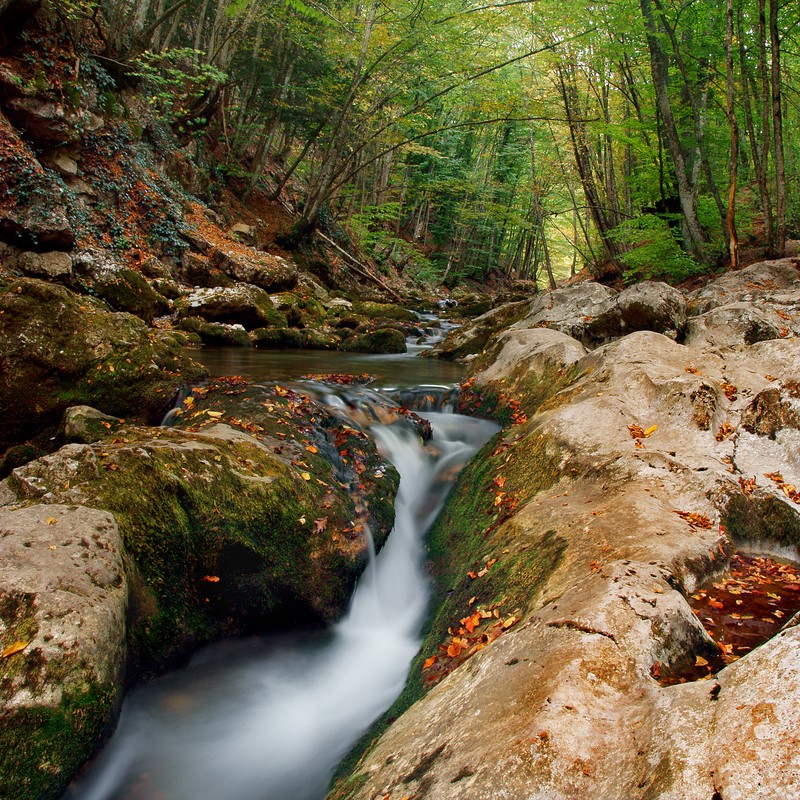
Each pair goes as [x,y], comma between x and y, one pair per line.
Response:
[529,138]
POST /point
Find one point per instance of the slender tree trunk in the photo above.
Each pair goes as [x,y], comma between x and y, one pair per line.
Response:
[758,154]
[538,215]
[733,162]
[777,132]
[659,67]
[580,148]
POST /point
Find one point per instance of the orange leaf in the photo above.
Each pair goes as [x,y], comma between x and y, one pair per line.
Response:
[211,578]
[312,449]
[429,662]
[17,647]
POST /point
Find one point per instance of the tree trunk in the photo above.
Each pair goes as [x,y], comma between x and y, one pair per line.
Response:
[777,132]
[733,162]
[659,68]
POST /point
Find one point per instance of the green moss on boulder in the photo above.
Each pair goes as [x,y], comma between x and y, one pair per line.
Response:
[383,340]
[58,349]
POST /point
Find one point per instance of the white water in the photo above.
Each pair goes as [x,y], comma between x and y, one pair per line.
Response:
[269,718]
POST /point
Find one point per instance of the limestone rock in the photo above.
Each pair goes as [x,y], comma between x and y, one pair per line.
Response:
[729,326]
[52,266]
[124,289]
[577,523]
[84,424]
[652,306]
[58,349]
[518,354]
[756,283]
[472,337]
[63,590]
[44,121]
[570,309]
[243,304]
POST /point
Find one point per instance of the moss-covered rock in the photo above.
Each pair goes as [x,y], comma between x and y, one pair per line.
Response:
[218,334]
[124,289]
[277,338]
[242,304]
[63,595]
[59,350]
[383,340]
[384,311]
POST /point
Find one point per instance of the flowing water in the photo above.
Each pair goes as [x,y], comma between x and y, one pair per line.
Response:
[269,718]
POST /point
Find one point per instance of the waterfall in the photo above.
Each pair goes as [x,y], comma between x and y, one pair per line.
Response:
[269,718]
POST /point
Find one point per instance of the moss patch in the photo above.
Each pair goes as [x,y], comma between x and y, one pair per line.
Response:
[42,747]
[761,518]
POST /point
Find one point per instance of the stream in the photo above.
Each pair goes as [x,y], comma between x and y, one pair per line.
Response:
[269,718]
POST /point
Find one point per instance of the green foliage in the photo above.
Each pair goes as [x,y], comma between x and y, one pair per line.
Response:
[653,251]
[374,230]
[176,80]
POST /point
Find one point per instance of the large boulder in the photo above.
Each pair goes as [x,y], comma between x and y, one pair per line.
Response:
[760,282]
[732,325]
[124,289]
[471,337]
[63,602]
[58,349]
[242,304]
[564,560]
[571,310]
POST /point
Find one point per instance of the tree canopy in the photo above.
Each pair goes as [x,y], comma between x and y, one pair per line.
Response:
[526,138]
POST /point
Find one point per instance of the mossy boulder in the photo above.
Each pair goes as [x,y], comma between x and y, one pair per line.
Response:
[243,304]
[382,340]
[58,349]
[63,595]
[217,334]
[384,311]
[277,338]
[124,289]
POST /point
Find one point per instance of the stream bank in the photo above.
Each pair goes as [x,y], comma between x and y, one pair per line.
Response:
[632,467]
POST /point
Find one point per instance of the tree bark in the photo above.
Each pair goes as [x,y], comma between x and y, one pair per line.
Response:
[777,132]
[733,162]
[659,68]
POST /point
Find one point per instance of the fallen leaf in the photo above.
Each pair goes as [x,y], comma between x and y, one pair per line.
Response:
[51,520]
[305,476]
[211,578]
[312,449]
[320,524]
[650,431]
[17,647]
[215,414]
[429,662]
[700,662]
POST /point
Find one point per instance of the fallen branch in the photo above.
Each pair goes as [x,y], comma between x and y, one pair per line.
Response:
[360,268]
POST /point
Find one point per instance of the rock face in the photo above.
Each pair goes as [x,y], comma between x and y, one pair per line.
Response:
[64,595]
[58,349]
[32,213]
[122,288]
[564,559]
